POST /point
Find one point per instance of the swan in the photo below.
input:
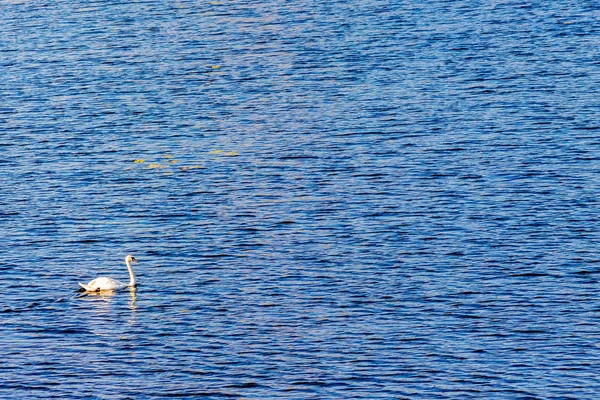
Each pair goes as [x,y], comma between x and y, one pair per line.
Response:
[105,283]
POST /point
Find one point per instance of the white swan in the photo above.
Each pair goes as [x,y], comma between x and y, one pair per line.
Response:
[105,283]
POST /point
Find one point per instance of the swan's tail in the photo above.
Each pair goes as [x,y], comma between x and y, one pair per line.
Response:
[84,287]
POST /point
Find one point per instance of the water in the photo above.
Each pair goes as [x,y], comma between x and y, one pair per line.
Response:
[336,200]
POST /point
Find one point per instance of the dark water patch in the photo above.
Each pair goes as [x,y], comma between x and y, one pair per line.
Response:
[195,393]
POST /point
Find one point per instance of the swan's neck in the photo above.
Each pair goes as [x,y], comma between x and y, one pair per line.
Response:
[131,275]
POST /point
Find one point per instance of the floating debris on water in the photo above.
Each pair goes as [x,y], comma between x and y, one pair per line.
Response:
[225,153]
[191,167]
[156,166]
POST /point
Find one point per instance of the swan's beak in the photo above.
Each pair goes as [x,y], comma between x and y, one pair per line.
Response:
[134,260]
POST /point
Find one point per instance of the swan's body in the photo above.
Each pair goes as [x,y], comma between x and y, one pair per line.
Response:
[105,283]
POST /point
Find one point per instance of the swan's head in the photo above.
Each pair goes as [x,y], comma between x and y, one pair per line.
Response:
[130,258]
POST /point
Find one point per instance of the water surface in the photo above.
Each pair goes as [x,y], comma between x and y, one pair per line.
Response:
[328,199]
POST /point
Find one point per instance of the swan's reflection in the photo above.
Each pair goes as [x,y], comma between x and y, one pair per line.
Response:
[100,300]
[107,296]
[110,313]
[133,292]
[103,300]
[132,306]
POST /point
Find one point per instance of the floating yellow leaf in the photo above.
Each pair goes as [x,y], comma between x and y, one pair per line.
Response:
[216,66]
[138,161]
[168,156]
[173,161]
[156,165]
[225,153]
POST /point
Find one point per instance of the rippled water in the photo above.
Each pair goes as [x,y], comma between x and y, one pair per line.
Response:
[328,199]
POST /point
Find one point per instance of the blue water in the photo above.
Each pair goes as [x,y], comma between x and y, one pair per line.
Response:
[328,199]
